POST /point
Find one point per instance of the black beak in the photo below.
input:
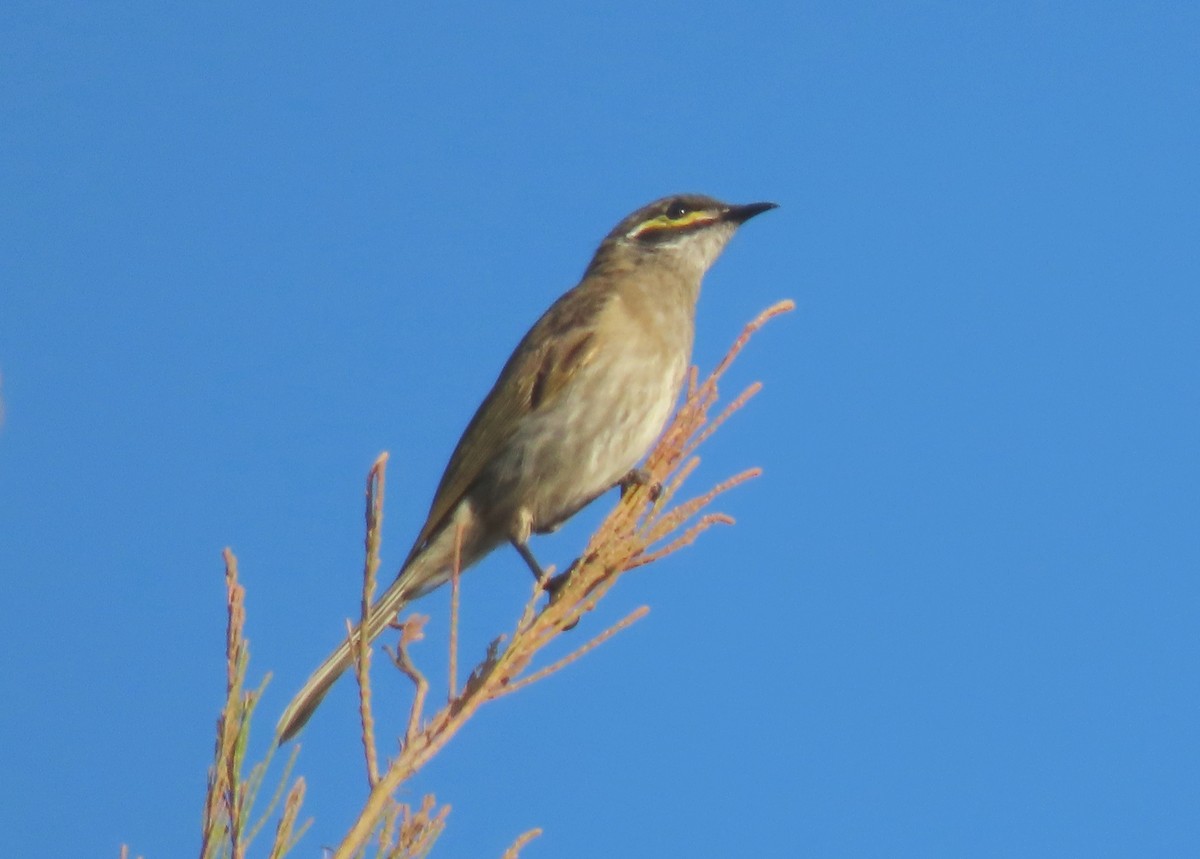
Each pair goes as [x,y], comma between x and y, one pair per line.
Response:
[741,214]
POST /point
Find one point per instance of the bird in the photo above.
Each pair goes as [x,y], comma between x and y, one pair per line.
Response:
[577,406]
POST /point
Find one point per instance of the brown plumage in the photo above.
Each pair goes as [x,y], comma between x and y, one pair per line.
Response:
[575,408]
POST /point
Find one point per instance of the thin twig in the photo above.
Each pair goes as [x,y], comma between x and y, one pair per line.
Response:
[529,612]
[715,423]
[233,717]
[686,538]
[514,851]
[286,835]
[671,520]
[412,630]
[455,577]
[261,770]
[362,667]
[630,619]
[776,309]
[376,481]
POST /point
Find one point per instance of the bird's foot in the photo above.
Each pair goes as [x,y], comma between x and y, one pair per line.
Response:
[555,584]
[640,477]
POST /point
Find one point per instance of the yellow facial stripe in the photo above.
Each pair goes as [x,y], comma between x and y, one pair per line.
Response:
[662,223]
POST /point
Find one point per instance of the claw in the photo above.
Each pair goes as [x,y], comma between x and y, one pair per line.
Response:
[640,477]
[555,584]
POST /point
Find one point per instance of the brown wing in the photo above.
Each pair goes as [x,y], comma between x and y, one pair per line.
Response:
[553,351]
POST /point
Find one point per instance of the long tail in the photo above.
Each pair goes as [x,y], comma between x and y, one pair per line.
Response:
[383,612]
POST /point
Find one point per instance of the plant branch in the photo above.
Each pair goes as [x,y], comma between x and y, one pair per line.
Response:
[626,539]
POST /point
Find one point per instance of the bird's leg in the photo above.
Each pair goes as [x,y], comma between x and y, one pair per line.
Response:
[639,477]
[556,582]
[521,531]
[551,584]
[530,560]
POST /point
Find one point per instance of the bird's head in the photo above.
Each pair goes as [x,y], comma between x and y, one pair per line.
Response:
[686,232]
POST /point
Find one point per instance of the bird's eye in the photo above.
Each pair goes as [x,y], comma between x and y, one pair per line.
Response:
[677,210]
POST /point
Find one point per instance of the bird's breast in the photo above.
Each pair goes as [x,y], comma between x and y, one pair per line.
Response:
[597,429]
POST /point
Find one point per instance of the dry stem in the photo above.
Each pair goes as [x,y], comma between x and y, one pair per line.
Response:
[455,577]
[514,851]
[376,481]
[631,536]
[230,795]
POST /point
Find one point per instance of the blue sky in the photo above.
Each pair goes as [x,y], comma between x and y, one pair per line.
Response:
[244,250]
